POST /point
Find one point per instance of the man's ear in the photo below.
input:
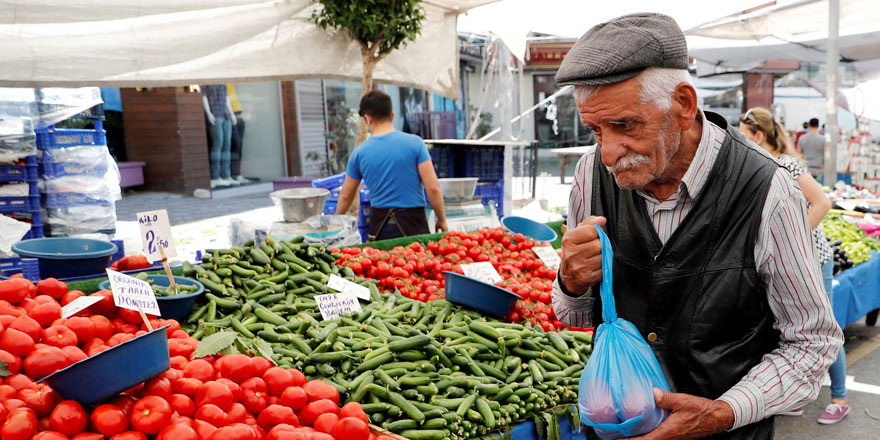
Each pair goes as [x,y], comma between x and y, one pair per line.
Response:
[684,104]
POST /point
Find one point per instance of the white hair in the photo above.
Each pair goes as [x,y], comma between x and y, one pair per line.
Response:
[658,84]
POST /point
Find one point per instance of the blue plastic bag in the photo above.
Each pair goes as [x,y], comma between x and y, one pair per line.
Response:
[616,394]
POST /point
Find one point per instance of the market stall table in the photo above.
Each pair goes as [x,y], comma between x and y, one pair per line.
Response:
[857,291]
[566,154]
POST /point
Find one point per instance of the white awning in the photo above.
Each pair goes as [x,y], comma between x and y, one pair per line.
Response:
[67,43]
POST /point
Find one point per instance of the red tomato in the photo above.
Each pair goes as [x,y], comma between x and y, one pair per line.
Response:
[325,423]
[353,409]
[233,387]
[239,431]
[69,417]
[351,428]
[255,393]
[212,414]
[260,365]
[14,290]
[40,398]
[46,313]
[52,287]
[28,326]
[45,361]
[83,327]
[203,429]
[199,369]
[16,342]
[103,326]
[150,415]
[187,386]
[59,336]
[109,420]
[237,367]
[21,424]
[129,435]
[177,432]
[311,411]
[277,380]
[13,363]
[294,397]
[215,393]
[276,415]
[157,386]
[70,296]
[105,306]
[318,390]
[18,381]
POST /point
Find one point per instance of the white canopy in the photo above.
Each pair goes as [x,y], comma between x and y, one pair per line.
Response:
[180,42]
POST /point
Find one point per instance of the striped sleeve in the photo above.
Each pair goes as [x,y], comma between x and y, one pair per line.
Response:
[789,376]
[571,310]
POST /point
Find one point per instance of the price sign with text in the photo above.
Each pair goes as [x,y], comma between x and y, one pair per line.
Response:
[548,255]
[78,305]
[334,305]
[156,235]
[132,293]
[343,285]
[483,271]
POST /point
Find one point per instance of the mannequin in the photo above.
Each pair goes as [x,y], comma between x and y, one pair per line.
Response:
[221,118]
[237,134]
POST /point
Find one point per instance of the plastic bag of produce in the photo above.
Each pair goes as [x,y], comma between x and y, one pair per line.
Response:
[616,393]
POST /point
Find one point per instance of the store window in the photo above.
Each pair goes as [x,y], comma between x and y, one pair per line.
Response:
[557,122]
[246,137]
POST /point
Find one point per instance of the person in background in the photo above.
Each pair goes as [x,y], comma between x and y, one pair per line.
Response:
[398,171]
[758,126]
[813,146]
[221,118]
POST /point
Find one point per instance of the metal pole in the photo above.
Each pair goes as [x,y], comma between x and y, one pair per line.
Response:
[831,137]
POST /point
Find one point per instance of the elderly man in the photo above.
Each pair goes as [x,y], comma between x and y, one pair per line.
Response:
[713,257]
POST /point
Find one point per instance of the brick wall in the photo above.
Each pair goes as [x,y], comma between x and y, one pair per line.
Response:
[165,127]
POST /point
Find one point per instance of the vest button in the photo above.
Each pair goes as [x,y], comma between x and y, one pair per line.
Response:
[652,337]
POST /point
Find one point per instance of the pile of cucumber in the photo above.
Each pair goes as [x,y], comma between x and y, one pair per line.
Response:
[422,370]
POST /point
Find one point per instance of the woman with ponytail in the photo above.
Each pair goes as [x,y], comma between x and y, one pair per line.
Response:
[759,126]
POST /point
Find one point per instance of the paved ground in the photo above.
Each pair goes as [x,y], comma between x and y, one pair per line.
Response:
[186,209]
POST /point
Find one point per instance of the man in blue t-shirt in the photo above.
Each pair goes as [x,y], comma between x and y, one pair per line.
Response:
[395,167]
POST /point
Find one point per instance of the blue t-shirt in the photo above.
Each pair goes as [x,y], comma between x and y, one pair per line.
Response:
[388,164]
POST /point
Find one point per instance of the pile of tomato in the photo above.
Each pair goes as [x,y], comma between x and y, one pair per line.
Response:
[417,270]
[232,397]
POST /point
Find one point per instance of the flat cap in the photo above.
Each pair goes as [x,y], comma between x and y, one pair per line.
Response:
[622,48]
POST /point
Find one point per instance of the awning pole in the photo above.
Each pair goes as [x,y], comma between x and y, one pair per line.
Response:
[831,136]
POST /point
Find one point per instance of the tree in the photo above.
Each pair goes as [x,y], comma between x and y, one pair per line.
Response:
[379,27]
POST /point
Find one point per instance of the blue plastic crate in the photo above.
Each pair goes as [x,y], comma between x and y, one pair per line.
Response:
[364,213]
[20,173]
[365,233]
[334,193]
[444,161]
[63,169]
[35,232]
[330,207]
[492,192]
[66,200]
[365,195]
[52,137]
[329,182]
[485,163]
[10,266]
[19,204]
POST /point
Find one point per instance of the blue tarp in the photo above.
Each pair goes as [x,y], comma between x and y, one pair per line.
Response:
[857,291]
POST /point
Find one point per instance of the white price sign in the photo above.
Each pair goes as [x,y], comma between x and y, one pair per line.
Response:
[548,255]
[79,304]
[483,271]
[334,305]
[340,284]
[130,292]
[156,235]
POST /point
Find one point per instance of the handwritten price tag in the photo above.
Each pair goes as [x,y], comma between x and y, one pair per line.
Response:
[343,285]
[130,292]
[548,255]
[334,305]
[483,271]
[156,235]
[78,305]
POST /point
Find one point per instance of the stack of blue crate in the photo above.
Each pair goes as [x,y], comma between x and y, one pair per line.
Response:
[485,163]
[76,197]
[334,185]
[25,206]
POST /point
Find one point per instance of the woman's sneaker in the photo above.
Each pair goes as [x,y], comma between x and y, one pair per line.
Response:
[793,412]
[834,413]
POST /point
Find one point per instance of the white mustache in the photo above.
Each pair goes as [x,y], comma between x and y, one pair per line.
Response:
[629,161]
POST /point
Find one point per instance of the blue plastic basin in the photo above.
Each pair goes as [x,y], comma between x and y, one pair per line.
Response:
[529,228]
[485,297]
[172,307]
[113,371]
[62,257]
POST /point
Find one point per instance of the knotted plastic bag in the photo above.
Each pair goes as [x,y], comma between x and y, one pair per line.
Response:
[616,393]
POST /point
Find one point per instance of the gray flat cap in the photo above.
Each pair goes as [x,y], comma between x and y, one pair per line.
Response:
[622,48]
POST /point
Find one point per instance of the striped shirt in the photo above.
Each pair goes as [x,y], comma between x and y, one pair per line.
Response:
[789,376]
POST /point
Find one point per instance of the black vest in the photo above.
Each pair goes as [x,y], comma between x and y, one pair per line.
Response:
[700,293]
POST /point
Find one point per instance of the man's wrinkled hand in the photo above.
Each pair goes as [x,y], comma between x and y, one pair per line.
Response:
[690,417]
[581,265]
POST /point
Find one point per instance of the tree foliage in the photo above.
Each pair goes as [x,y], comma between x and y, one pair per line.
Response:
[380,26]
